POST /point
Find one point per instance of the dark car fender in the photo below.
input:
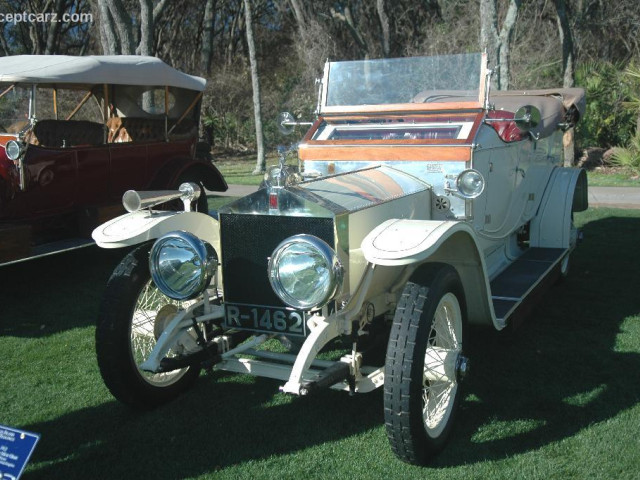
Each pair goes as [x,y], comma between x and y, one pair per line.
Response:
[181,170]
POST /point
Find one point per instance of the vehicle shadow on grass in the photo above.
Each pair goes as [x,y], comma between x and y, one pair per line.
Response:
[51,294]
[216,425]
[568,366]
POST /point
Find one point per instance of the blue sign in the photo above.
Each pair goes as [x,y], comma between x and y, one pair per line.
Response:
[16,446]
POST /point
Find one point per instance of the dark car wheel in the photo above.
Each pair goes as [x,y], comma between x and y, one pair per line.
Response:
[132,316]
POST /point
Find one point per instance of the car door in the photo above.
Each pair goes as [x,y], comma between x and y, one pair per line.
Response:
[128,168]
[50,180]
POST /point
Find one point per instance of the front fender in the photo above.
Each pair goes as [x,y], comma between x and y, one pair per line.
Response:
[143,225]
[403,242]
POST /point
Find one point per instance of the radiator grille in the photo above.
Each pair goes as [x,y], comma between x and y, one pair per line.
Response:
[247,241]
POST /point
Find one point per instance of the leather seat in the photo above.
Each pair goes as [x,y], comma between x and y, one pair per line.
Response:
[135,129]
[67,133]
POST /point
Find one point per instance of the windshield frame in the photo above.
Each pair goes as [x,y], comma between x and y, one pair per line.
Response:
[473,104]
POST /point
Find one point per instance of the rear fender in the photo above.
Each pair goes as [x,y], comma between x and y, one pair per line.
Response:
[141,226]
[566,193]
[412,243]
[187,170]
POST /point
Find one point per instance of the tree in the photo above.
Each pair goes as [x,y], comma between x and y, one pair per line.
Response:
[344,15]
[566,39]
[384,26]
[117,27]
[497,44]
[255,82]
[207,37]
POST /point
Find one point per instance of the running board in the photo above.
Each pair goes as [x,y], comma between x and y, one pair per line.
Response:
[515,290]
[47,249]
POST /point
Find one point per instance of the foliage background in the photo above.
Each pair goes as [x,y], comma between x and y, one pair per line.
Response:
[295,37]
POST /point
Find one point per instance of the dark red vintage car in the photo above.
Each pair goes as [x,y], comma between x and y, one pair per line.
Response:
[77,132]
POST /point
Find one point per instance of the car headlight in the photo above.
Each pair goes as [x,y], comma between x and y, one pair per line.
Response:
[470,183]
[13,149]
[305,272]
[182,265]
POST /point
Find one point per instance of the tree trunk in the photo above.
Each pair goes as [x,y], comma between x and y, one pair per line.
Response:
[159,10]
[207,37]
[506,32]
[346,17]
[566,38]
[54,29]
[384,25]
[146,27]
[255,82]
[299,14]
[108,36]
[497,45]
[489,33]
[122,21]
[232,38]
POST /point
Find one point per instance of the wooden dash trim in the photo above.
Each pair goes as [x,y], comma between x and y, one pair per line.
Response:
[384,153]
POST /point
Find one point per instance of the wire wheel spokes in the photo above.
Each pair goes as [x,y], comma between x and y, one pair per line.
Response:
[444,345]
[144,331]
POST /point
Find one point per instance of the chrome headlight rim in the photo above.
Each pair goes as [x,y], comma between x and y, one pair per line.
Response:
[330,260]
[204,259]
[461,187]
[13,149]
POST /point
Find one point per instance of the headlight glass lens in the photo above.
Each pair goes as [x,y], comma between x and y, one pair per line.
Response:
[470,183]
[13,150]
[305,272]
[182,265]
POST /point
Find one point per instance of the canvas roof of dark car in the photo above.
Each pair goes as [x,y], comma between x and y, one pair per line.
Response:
[61,70]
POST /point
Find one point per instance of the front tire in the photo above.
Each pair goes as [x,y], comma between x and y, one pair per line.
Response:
[127,332]
[424,363]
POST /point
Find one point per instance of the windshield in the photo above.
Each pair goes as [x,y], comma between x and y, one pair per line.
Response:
[58,104]
[14,108]
[403,80]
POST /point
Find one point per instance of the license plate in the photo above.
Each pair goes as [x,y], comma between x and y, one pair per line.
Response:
[265,319]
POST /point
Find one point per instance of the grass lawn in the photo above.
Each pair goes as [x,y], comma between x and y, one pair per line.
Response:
[238,170]
[557,399]
[609,179]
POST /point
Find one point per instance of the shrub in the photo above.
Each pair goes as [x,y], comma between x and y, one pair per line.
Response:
[628,157]
[609,118]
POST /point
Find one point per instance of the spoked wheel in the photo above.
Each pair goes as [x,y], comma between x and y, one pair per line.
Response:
[132,317]
[424,364]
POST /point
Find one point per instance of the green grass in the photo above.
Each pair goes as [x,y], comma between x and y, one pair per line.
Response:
[558,398]
[238,170]
[216,202]
[599,179]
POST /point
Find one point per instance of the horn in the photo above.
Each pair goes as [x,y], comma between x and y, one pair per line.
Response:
[134,201]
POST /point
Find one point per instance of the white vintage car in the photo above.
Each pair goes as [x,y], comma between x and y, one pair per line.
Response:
[424,202]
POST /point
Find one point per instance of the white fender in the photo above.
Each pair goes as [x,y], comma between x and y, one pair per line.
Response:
[551,227]
[143,225]
[399,242]
[404,241]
